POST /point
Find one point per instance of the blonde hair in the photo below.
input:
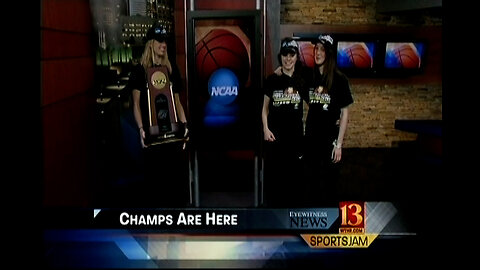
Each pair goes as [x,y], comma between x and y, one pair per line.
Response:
[147,57]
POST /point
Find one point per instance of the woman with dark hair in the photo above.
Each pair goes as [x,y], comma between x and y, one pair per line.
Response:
[282,116]
[329,98]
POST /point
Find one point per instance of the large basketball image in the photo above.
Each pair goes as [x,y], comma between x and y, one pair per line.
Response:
[221,48]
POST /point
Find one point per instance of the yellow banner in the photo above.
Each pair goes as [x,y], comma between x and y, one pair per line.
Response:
[339,240]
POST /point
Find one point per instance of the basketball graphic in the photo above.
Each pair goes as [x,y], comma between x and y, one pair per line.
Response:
[221,48]
[359,55]
[407,55]
[306,53]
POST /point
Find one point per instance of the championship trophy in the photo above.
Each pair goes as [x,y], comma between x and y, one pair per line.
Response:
[163,121]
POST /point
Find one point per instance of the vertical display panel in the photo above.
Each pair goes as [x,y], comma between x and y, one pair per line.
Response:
[225,99]
[224,68]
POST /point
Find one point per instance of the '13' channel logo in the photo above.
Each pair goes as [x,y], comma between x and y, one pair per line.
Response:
[352,217]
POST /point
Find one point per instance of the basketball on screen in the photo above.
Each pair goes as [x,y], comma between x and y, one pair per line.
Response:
[359,55]
[306,53]
[407,55]
[221,48]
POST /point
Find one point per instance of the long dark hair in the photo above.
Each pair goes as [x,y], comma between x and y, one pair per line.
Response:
[329,67]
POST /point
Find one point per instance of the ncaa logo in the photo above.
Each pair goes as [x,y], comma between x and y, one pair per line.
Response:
[223,86]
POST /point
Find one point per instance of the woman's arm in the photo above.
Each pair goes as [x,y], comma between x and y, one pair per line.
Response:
[267,134]
[180,111]
[137,113]
[181,117]
[337,148]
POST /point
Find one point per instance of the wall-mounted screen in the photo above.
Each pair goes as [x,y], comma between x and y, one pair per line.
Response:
[404,55]
[369,55]
[355,54]
[357,57]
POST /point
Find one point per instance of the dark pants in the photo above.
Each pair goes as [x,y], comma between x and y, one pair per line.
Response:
[166,175]
[321,178]
[282,175]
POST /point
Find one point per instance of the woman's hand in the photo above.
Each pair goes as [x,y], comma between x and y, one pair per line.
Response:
[268,135]
[142,138]
[278,71]
[186,136]
[336,154]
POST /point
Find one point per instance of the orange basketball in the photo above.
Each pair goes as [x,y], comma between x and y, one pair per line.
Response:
[306,53]
[408,56]
[359,55]
[221,48]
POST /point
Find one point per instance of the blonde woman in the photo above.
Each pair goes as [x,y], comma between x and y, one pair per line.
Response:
[154,54]
[165,165]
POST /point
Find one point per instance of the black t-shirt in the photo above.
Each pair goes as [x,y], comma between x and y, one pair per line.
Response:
[138,81]
[286,104]
[325,107]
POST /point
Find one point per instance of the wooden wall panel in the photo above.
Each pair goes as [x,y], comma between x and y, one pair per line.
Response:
[71,15]
[63,78]
[58,44]
[67,104]
[68,147]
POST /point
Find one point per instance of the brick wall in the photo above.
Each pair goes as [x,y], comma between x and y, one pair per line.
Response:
[349,12]
[378,102]
[327,11]
[376,107]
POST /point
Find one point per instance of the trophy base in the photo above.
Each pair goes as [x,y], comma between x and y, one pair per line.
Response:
[155,130]
[167,141]
[156,137]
